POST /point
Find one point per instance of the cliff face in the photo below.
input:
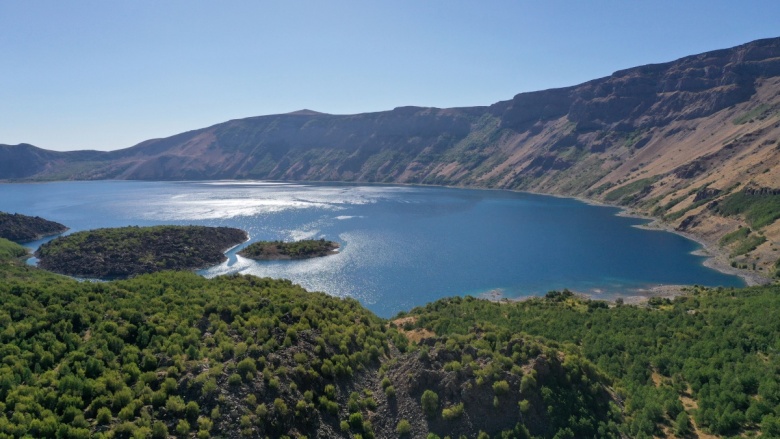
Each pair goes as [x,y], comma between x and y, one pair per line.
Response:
[648,137]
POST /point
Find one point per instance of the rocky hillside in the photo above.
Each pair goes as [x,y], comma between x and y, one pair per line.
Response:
[674,140]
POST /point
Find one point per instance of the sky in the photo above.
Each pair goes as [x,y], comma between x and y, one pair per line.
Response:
[107,75]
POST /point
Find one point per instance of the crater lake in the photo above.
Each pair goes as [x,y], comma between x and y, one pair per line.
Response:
[401,246]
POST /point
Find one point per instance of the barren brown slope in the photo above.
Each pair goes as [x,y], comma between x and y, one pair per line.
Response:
[672,140]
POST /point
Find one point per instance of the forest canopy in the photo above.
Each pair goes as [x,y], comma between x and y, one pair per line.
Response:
[175,354]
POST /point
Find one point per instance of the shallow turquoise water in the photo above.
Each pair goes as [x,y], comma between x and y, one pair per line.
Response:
[401,246]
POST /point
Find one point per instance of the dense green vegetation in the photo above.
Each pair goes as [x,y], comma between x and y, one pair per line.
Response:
[174,354]
[307,248]
[626,194]
[738,235]
[11,250]
[742,241]
[759,210]
[718,347]
[126,251]
[22,228]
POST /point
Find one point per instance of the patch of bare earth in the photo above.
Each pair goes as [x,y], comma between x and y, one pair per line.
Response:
[413,335]
[691,404]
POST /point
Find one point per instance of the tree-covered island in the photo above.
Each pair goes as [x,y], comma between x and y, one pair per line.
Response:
[127,251]
[304,249]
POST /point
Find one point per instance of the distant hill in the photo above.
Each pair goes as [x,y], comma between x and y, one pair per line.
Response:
[22,228]
[672,140]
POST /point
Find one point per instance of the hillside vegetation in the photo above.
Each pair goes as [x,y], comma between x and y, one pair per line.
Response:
[22,228]
[303,249]
[175,355]
[708,359]
[11,250]
[126,251]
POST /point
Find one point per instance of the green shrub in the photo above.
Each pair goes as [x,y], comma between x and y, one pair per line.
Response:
[246,367]
[403,428]
[430,403]
[103,416]
[759,210]
[500,387]
[234,379]
[183,427]
[452,412]
[175,405]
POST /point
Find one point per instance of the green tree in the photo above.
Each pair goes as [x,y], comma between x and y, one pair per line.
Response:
[430,403]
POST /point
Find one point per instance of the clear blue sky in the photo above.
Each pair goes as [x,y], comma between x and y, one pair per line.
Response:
[109,74]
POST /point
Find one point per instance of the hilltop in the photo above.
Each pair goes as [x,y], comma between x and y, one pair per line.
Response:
[694,142]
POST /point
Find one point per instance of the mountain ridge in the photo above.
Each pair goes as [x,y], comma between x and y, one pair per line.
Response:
[649,138]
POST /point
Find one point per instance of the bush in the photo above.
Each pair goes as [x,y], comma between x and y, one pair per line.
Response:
[159,430]
[500,387]
[247,366]
[234,379]
[280,406]
[403,428]
[452,412]
[524,405]
[191,410]
[103,416]
[430,403]
[183,427]
[356,421]
[175,405]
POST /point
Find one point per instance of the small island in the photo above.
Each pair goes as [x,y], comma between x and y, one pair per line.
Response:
[22,228]
[275,250]
[116,253]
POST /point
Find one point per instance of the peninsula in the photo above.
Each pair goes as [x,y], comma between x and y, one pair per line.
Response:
[127,251]
[22,228]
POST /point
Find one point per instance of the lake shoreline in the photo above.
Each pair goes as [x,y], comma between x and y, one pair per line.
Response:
[716,258]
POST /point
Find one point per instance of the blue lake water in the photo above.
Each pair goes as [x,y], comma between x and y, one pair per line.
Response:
[401,246]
